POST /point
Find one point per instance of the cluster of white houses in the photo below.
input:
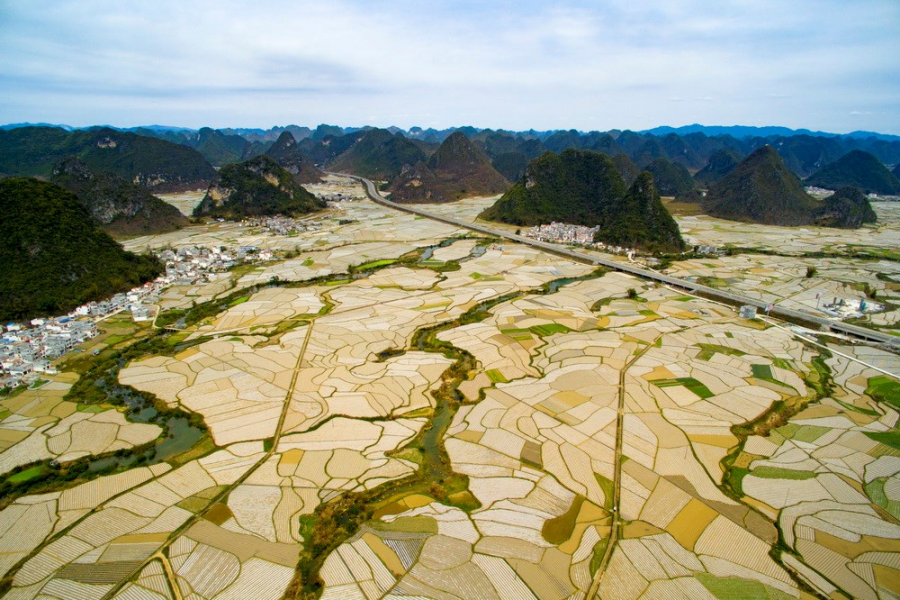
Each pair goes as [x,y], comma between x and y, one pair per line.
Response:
[280,225]
[27,349]
[565,233]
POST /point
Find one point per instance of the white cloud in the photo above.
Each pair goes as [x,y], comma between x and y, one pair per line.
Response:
[497,64]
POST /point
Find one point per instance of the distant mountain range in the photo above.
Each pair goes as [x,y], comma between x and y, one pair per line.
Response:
[426,165]
[300,132]
[156,164]
[745,131]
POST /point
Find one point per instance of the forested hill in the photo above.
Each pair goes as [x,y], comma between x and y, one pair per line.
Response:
[458,169]
[120,206]
[53,255]
[761,189]
[858,169]
[156,164]
[582,187]
[257,187]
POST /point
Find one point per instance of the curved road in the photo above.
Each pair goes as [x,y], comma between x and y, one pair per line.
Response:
[870,335]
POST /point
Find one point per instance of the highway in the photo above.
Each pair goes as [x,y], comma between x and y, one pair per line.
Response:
[863,333]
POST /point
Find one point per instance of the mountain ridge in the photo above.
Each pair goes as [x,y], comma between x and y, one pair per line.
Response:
[120,206]
[458,169]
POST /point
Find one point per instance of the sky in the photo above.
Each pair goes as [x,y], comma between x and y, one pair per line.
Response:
[829,65]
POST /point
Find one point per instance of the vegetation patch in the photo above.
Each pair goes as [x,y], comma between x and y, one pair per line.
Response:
[26,474]
[690,383]
[888,438]
[375,264]
[884,389]
[549,329]
[240,300]
[875,492]
[609,490]
[859,409]
[496,376]
[810,433]
[736,588]
[764,373]
[559,529]
[769,472]
[708,350]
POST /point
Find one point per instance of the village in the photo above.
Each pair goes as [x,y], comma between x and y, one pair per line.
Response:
[565,233]
[29,349]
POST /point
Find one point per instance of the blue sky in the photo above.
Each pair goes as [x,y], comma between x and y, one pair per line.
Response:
[830,65]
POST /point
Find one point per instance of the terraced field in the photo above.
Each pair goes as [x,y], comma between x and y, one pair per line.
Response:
[405,412]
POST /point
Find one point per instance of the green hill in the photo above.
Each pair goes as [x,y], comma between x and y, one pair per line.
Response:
[626,168]
[121,207]
[583,187]
[511,165]
[457,170]
[847,208]
[805,154]
[606,144]
[219,148]
[156,164]
[259,186]
[858,169]
[641,220]
[721,163]
[54,257]
[379,154]
[761,189]
[671,179]
[287,153]
[650,150]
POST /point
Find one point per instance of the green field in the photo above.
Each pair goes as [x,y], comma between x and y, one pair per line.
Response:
[764,372]
[496,376]
[549,329]
[735,588]
[810,433]
[767,472]
[689,382]
[888,438]
[26,474]
[884,389]
[240,300]
[708,350]
[517,334]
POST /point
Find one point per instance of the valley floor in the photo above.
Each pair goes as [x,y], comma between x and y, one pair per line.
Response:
[404,410]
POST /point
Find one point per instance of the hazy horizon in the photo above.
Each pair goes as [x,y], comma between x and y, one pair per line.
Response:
[821,65]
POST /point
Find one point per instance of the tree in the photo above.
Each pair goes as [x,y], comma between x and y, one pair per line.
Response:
[811,272]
